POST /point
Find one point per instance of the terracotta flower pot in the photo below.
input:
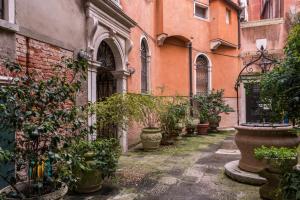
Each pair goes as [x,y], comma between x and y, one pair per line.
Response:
[56,195]
[91,180]
[250,137]
[202,129]
[151,138]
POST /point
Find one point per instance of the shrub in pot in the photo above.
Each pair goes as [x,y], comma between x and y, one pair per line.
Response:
[217,106]
[278,162]
[171,117]
[190,126]
[149,108]
[43,114]
[202,105]
[90,162]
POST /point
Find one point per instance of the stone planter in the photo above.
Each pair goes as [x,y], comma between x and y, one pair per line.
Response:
[56,195]
[151,138]
[91,180]
[214,124]
[275,169]
[250,137]
[202,129]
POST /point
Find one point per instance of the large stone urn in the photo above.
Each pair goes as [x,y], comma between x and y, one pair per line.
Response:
[151,138]
[90,180]
[22,186]
[251,136]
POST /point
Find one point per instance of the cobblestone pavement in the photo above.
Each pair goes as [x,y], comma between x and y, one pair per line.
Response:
[193,169]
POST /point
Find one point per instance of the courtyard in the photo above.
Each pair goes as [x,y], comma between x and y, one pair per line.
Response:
[192,169]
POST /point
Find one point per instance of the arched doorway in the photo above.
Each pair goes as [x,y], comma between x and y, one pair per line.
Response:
[106,85]
[202,75]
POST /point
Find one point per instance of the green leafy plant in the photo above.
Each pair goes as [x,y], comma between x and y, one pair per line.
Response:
[210,106]
[106,153]
[43,113]
[290,185]
[174,112]
[281,153]
[281,87]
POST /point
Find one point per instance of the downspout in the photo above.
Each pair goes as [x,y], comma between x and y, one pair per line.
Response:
[237,89]
[190,47]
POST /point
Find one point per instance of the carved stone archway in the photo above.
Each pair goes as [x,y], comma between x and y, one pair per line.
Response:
[106,24]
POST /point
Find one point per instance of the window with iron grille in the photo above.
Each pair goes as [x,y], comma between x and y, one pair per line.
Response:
[144,62]
[1,9]
[202,66]
[272,9]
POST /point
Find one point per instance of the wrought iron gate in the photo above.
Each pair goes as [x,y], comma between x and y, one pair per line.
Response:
[106,86]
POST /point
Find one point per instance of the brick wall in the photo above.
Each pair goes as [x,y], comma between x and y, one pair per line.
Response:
[42,57]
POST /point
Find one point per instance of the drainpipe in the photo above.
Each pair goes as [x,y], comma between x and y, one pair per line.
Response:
[190,47]
[239,29]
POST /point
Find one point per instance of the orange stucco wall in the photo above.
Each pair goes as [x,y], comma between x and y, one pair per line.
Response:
[169,63]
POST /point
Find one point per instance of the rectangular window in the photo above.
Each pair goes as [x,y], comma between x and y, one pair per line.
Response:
[1,9]
[271,9]
[228,16]
[201,10]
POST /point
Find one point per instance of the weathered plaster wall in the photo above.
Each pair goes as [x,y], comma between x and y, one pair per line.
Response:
[59,21]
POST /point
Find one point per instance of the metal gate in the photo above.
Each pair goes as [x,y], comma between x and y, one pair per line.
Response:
[7,140]
[106,86]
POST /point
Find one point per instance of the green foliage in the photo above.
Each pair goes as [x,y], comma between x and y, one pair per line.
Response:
[174,112]
[281,153]
[290,185]
[104,153]
[41,111]
[281,87]
[210,107]
[121,108]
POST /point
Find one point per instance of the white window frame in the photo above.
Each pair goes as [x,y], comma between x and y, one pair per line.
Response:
[228,16]
[9,21]
[196,3]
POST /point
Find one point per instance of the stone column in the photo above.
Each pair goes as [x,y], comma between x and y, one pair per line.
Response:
[92,95]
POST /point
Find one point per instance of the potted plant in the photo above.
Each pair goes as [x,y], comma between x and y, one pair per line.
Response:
[190,126]
[89,162]
[149,108]
[43,113]
[218,106]
[171,118]
[202,105]
[278,161]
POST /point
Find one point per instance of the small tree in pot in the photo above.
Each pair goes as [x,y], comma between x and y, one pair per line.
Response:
[217,107]
[171,118]
[203,106]
[149,108]
[43,114]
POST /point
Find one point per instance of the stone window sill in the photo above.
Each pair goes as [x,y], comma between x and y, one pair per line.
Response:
[264,22]
[5,25]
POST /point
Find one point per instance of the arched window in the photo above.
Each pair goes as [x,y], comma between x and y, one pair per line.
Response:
[144,70]
[106,57]
[202,65]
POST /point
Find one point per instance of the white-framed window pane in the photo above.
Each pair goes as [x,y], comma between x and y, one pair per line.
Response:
[228,16]
[201,11]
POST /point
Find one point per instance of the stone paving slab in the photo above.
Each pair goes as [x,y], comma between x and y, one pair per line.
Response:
[193,169]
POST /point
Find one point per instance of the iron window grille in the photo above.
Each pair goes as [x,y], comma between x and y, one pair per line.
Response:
[202,66]
[144,71]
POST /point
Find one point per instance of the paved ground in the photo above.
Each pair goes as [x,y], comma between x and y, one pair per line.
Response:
[190,170]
